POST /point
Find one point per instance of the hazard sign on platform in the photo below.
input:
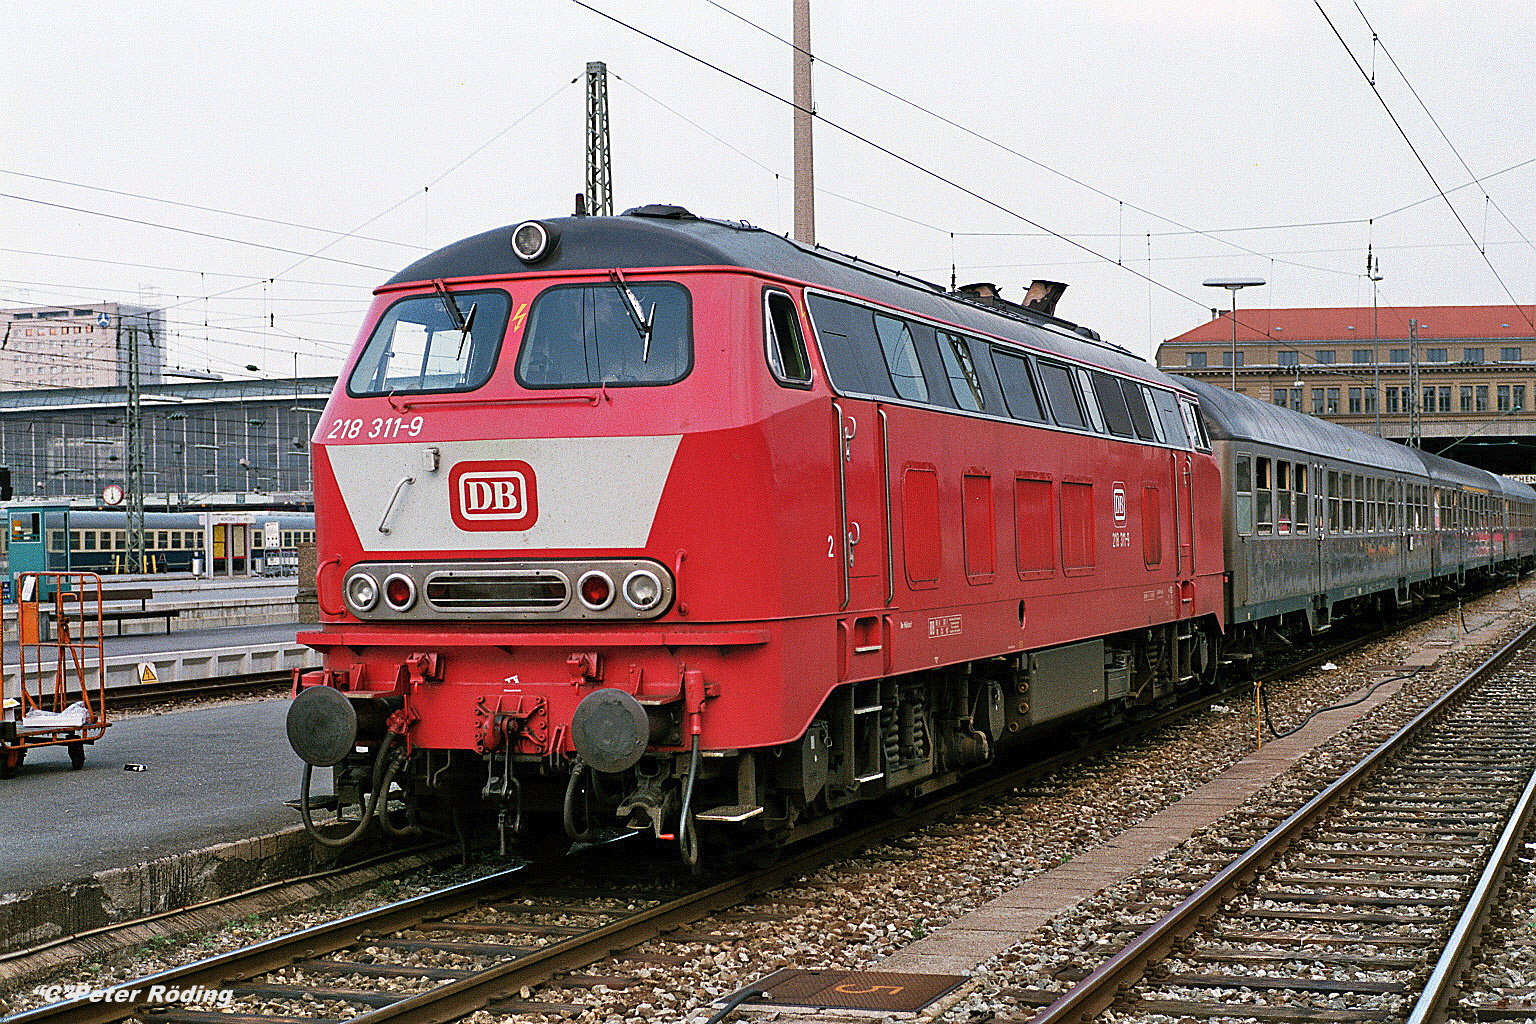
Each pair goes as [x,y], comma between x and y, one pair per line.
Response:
[147,673]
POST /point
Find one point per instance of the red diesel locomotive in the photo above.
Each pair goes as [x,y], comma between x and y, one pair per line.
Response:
[675,523]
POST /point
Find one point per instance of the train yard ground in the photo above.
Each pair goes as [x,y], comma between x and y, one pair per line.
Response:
[1012,902]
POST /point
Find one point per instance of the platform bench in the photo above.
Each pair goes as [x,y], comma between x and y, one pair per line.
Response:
[117,606]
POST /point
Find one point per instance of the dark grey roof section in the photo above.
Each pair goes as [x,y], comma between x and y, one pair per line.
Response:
[1514,490]
[666,236]
[42,399]
[1447,470]
[1233,417]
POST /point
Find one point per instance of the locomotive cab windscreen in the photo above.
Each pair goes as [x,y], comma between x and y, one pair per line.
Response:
[425,343]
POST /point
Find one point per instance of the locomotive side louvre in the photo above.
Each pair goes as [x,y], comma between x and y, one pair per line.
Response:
[613,528]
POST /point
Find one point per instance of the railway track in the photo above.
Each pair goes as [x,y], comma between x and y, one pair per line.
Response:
[483,944]
[1366,903]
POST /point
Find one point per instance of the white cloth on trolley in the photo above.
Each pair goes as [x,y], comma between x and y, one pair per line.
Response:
[72,717]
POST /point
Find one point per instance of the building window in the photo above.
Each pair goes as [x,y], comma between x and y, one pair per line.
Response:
[1317,401]
[1482,398]
[1286,358]
[1370,400]
[1471,355]
[1519,397]
[1296,399]
[1434,355]
[1362,355]
[1356,401]
[1226,359]
[1445,399]
[1399,355]
[1333,401]
[1325,356]
[1194,360]
[1503,398]
[1466,398]
[1509,355]
[1280,397]
[1391,399]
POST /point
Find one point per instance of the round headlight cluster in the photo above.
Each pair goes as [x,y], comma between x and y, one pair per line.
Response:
[531,241]
[642,589]
[362,592]
[595,589]
[399,591]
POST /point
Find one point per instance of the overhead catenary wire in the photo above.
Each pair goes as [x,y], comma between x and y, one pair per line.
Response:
[1419,157]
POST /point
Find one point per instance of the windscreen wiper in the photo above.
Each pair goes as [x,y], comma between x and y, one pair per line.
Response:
[641,320]
[462,322]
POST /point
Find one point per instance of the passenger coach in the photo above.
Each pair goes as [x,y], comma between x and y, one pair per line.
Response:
[1322,519]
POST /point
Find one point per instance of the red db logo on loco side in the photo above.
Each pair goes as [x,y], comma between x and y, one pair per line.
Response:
[493,495]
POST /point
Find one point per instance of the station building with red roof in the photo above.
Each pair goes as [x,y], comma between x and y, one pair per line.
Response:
[1461,380]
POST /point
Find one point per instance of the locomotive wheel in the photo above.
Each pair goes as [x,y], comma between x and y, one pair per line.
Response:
[76,756]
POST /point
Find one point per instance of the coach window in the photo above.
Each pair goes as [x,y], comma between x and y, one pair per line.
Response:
[1018,386]
[1263,492]
[1360,504]
[1062,396]
[1282,496]
[1299,485]
[442,342]
[1112,403]
[616,334]
[1242,490]
[961,371]
[786,345]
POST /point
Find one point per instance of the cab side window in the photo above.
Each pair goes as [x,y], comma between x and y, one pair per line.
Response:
[786,344]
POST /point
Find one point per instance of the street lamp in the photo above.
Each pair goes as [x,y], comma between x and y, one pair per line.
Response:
[1233,285]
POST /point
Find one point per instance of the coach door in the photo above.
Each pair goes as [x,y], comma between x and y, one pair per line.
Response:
[864,503]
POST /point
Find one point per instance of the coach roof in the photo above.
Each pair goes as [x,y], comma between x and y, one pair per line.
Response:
[669,236]
[1233,417]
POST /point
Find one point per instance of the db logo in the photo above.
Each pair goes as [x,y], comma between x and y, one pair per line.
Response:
[1119,507]
[493,495]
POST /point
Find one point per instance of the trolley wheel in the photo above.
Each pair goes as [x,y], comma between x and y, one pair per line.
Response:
[76,756]
[10,761]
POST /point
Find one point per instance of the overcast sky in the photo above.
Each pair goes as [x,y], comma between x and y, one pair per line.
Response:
[263,166]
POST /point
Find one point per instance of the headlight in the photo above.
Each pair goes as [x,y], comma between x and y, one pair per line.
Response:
[595,590]
[531,241]
[400,592]
[642,590]
[362,592]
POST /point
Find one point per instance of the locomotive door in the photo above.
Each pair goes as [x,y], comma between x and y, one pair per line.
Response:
[1184,515]
[864,503]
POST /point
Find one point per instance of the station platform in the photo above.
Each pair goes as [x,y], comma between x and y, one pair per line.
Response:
[192,655]
[206,813]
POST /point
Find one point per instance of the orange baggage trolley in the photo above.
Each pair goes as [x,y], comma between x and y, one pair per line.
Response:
[54,705]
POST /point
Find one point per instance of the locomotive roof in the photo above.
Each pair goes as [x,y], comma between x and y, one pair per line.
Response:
[669,236]
[1230,416]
